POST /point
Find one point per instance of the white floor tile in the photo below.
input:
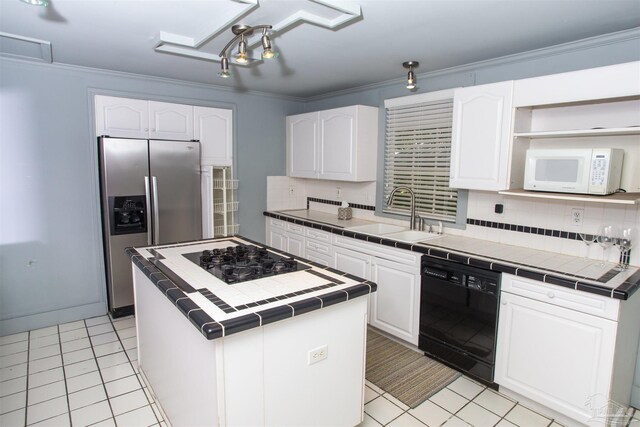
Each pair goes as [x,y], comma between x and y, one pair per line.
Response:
[522,416]
[42,352]
[449,400]
[395,401]
[108,348]
[83,381]
[466,388]
[91,414]
[13,386]
[369,394]
[133,355]
[116,372]
[16,347]
[15,418]
[80,368]
[47,392]
[477,416]
[406,420]
[112,360]
[72,335]
[129,322]
[97,320]
[75,345]
[374,387]
[13,402]
[556,424]
[87,397]
[127,333]
[39,333]
[45,364]
[505,423]
[128,402]
[65,327]
[44,341]
[122,386]
[111,422]
[77,356]
[455,422]
[150,396]
[47,409]
[494,402]
[13,359]
[10,339]
[103,338]
[59,421]
[100,329]
[46,377]
[11,372]
[430,414]
[142,417]
[129,343]
[382,410]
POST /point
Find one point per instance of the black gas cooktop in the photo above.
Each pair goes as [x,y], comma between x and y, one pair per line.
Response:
[235,264]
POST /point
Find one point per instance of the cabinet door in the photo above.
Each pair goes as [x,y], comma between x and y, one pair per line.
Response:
[395,306]
[295,244]
[337,143]
[213,127]
[302,145]
[277,240]
[122,117]
[480,140]
[557,357]
[321,259]
[352,262]
[170,121]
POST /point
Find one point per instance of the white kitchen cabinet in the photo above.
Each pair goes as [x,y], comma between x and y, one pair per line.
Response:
[285,236]
[276,234]
[213,127]
[170,121]
[395,307]
[338,144]
[318,247]
[480,141]
[295,239]
[564,349]
[121,117]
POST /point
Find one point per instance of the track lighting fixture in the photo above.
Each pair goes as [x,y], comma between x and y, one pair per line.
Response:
[411,77]
[241,32]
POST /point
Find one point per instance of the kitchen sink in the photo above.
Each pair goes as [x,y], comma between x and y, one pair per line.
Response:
[377,228]
[412,235]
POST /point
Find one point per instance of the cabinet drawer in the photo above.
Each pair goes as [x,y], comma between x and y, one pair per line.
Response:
[276,223]
[321,236]
[295,228]
[320,258]
[323,248]
[392,254]
[556,295]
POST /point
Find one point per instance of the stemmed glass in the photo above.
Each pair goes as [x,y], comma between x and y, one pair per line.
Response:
[587,239]
[627,237]
[605,239]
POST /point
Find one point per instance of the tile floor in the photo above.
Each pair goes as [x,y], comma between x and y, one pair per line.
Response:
[85,373]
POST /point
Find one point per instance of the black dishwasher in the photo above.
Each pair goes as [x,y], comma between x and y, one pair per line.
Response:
[458,316]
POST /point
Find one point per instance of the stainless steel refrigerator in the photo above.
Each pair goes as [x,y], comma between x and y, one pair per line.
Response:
[150,193]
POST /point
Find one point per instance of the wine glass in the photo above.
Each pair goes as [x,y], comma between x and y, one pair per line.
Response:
[587,239]
[628,236]
[605,239]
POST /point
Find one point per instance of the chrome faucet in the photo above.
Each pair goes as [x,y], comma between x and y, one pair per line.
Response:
[412,220]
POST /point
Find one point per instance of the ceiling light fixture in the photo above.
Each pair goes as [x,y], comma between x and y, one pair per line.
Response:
[43,3]
[240,33]
[411,77]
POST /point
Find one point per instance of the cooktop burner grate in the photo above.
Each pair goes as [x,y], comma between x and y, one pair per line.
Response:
[235,264]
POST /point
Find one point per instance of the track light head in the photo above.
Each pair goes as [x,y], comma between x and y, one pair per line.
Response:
[224,68]
[411,77]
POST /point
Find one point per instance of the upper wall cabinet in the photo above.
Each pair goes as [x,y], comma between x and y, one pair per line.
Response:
[214,130]
[480,137]
[135,118]
[338,144]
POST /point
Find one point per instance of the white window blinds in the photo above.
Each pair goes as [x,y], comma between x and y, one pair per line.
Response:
[417,154]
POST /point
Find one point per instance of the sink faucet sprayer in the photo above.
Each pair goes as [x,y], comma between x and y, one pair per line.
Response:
[413,204]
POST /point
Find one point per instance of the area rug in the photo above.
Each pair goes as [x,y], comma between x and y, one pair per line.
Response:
[406,374]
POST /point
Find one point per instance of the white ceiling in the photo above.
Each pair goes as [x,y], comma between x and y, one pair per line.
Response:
[122,34]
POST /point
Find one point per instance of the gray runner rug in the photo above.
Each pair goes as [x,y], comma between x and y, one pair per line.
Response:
[405,374]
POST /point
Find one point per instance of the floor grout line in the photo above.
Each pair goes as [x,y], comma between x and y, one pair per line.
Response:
[104,387]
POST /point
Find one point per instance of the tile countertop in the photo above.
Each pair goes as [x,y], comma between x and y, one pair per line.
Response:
[564,270]
[219,309]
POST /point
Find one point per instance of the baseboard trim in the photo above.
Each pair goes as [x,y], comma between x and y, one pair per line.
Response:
[635,396]
[50,318]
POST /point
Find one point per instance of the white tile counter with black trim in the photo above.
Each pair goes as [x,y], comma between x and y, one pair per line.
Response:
[547,267]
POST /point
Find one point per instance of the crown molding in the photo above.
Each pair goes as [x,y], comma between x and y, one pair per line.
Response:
[545,52]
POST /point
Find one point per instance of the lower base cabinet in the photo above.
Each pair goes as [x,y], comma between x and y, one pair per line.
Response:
[570,351]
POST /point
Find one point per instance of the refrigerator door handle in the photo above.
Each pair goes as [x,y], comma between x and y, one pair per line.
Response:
[156,221]
[147,194]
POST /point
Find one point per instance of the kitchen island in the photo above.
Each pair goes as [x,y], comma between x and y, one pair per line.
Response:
[265,348]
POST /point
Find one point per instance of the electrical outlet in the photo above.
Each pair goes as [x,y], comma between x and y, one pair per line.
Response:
[338,192]
[291,190]
[577,215]
[318,354]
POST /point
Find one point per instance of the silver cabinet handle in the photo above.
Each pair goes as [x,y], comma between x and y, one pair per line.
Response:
[504,303]
[551,294]
[156,221]
[147,196]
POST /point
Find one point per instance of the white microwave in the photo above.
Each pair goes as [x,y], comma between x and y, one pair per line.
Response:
[580,170]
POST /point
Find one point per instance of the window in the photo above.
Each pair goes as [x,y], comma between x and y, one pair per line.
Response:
[417,154]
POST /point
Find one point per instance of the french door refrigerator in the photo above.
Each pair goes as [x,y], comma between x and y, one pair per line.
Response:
[150,194]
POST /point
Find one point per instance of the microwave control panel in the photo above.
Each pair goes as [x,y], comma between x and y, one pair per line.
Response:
[598,169]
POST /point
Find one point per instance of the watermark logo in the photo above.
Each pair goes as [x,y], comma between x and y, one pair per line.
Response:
[611,413]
